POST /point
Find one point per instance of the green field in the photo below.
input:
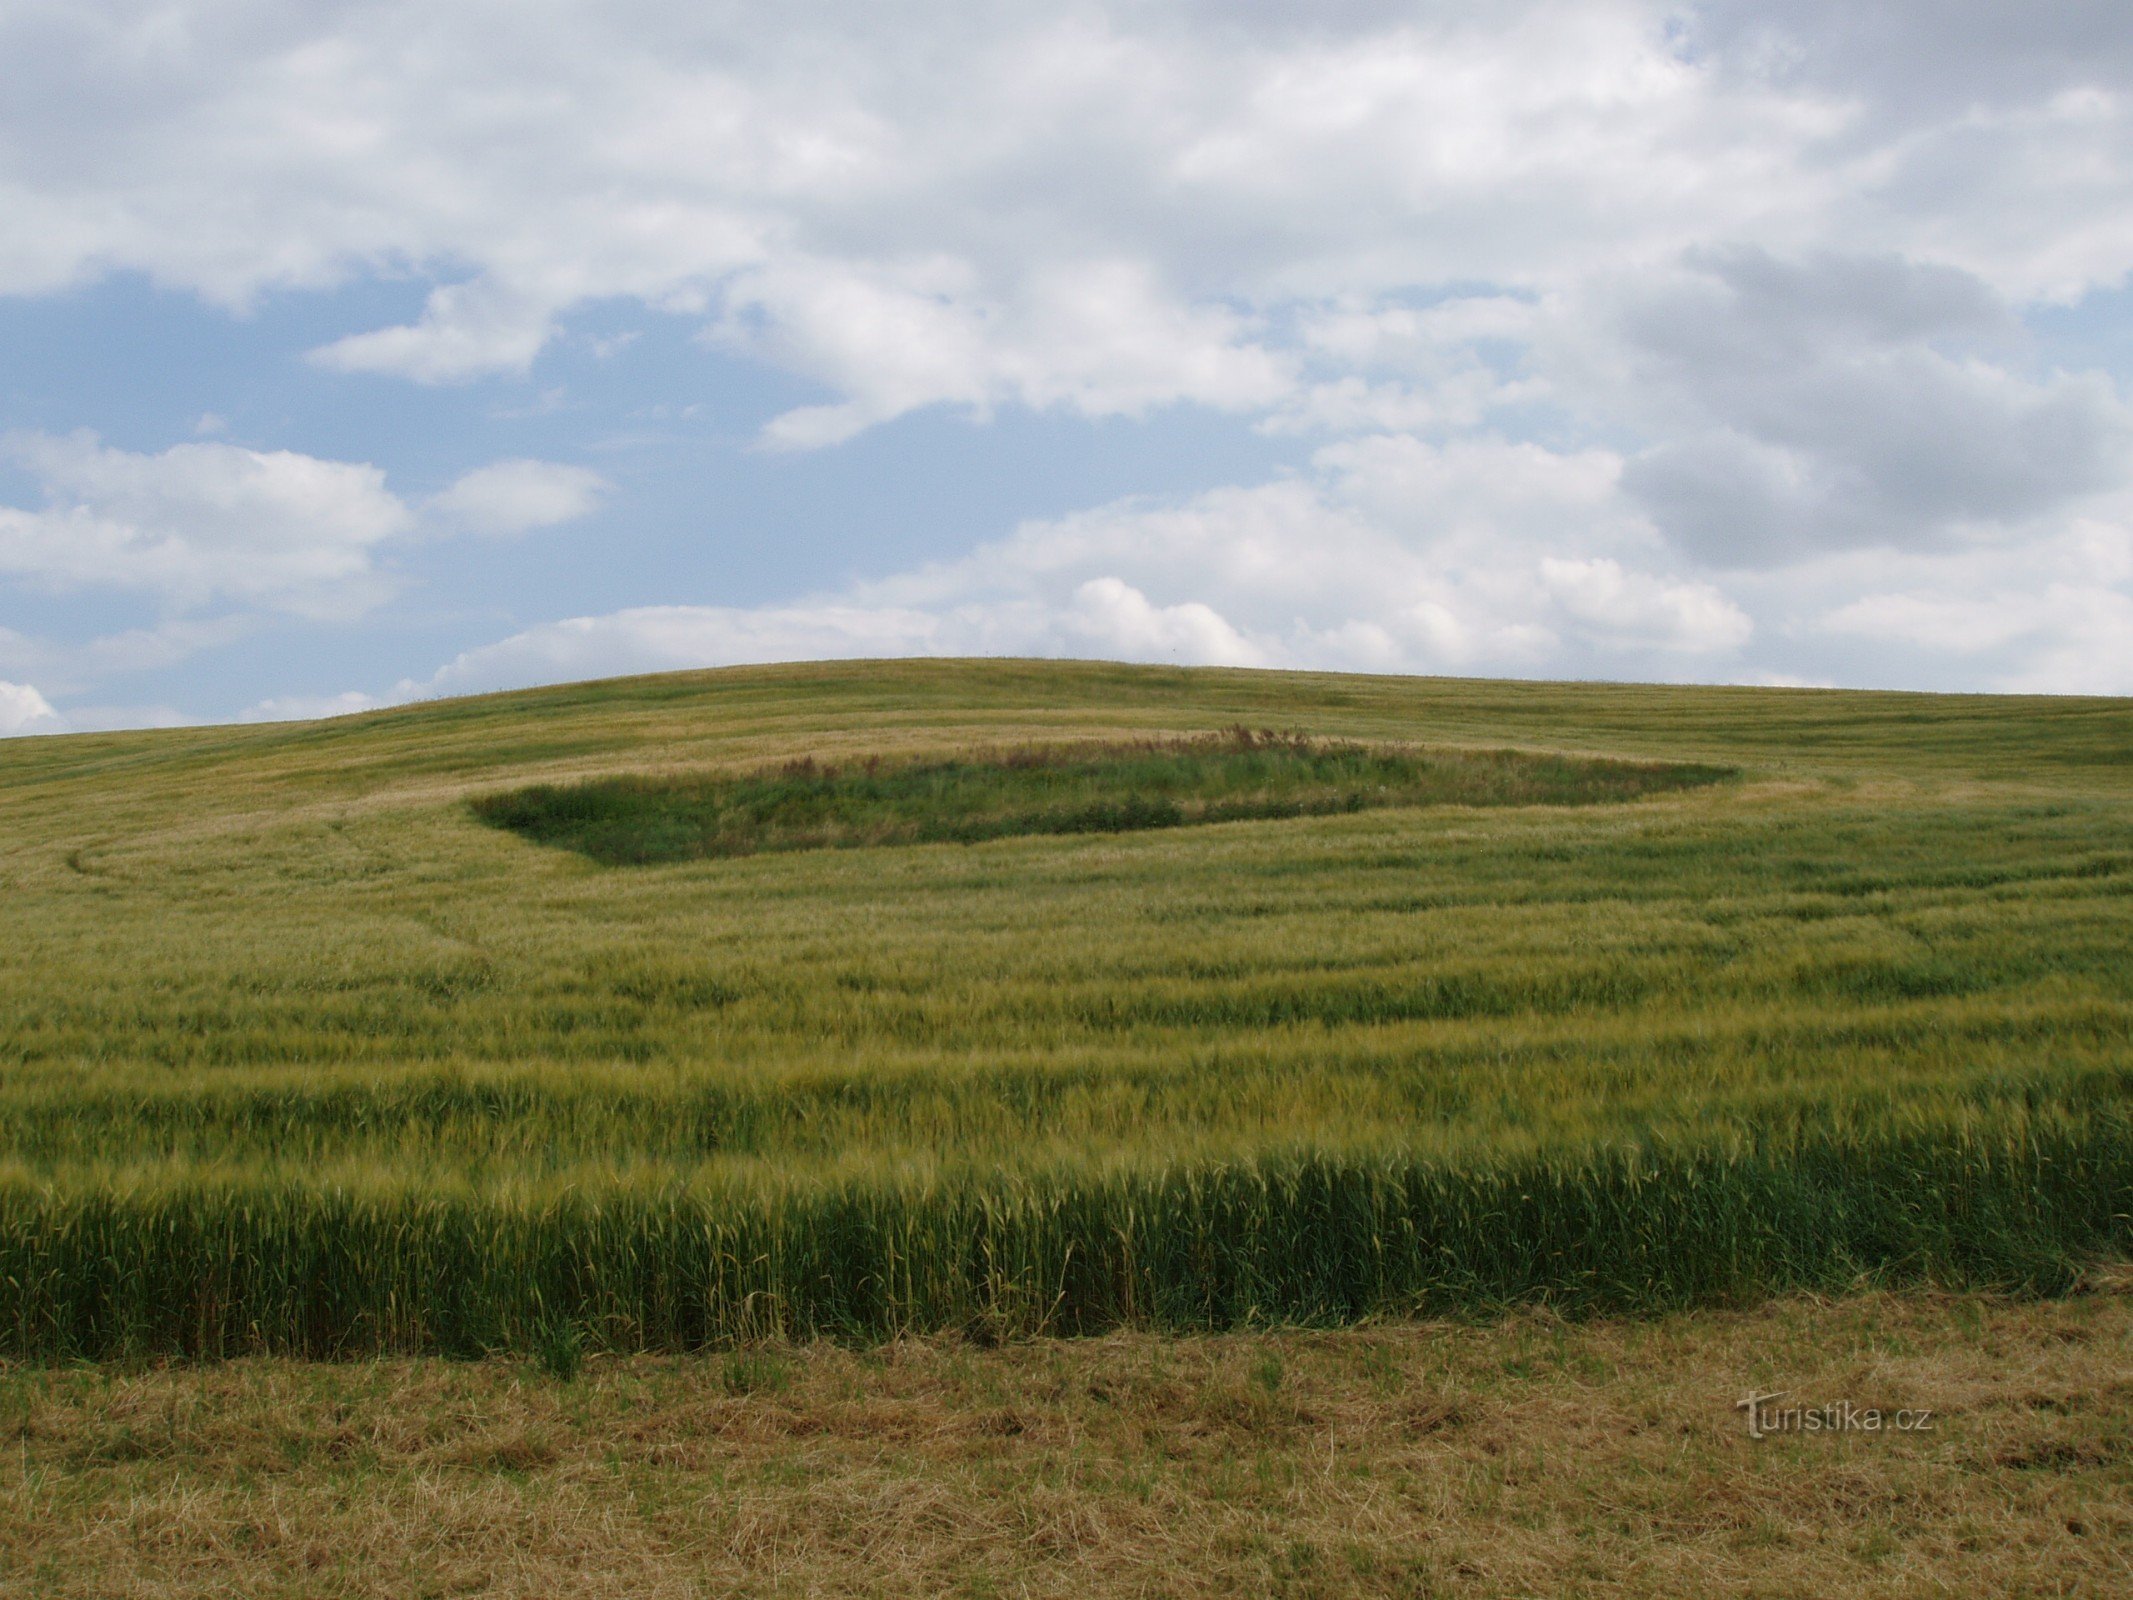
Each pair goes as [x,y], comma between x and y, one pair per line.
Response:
[298,1054]
[1090,786]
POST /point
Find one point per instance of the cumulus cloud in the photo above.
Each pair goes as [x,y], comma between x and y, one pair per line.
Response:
[1917,60]
[1393,555]
[204,524]
[669,638]
[1399,556]
[1839,401]
[1102,339]
[1632,331]
[515,496]
[2052,615]
[920,203]
[1657,612]
[65,669]
[309,707]
[24,710]
[467,330]
[916,204]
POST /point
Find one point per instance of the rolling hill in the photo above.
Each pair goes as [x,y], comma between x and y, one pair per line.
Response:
[299,1053]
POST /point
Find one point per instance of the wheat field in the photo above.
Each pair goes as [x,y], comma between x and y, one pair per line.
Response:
[300,1055]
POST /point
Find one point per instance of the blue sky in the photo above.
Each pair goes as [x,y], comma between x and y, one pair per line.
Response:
[357,352]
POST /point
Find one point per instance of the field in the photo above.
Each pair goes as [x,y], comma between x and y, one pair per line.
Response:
[299,1056]
[1519,1457]
[1243,775]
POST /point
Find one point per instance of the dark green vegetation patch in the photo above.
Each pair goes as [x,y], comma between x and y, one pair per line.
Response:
[1236,776]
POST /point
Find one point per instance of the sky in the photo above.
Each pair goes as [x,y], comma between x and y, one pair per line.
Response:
[355,352]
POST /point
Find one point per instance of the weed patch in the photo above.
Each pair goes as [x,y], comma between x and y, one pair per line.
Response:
[1243,775]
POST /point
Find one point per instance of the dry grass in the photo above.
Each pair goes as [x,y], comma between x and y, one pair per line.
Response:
[1519,1457]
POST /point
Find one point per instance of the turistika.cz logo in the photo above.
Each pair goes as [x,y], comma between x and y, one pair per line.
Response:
[1766,1417]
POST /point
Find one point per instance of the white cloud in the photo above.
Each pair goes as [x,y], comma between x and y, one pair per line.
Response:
[307,708]
[200,523]
[467,330]
[1935,621]
[1396,368]
[515,496]
[66,669]
[24,710]
[1104,338]
[1121,622]
[205,524]
[668,638]
[1647,336]
[1395,555]
[2049,613]
[1838,401]
[2047,638]
[1983,56]
[1087,207]
[114,718]
[1665,614]
[2053,614]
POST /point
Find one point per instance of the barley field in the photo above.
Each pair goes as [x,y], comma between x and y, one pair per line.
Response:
[302,1053]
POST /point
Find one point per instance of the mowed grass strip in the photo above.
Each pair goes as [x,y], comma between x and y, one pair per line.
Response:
[1489,1458]
[1240,775]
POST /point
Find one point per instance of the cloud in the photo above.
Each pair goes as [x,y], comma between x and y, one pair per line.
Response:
[201,523]
[1633,331]
[1655,612]
[100,718]
[1091,207]
[2052,637]
[1838,402]
[309,707]
[1099,618]
[1105,338]
[668,638]
[205,524]
[467,331]
[65,669]
[23,710]
[1918,60]
[1393,555]
[1399,556]
[2052,615]
[515,496]
[1123,623]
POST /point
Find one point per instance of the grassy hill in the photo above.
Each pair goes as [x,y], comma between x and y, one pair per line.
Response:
[297,1053]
